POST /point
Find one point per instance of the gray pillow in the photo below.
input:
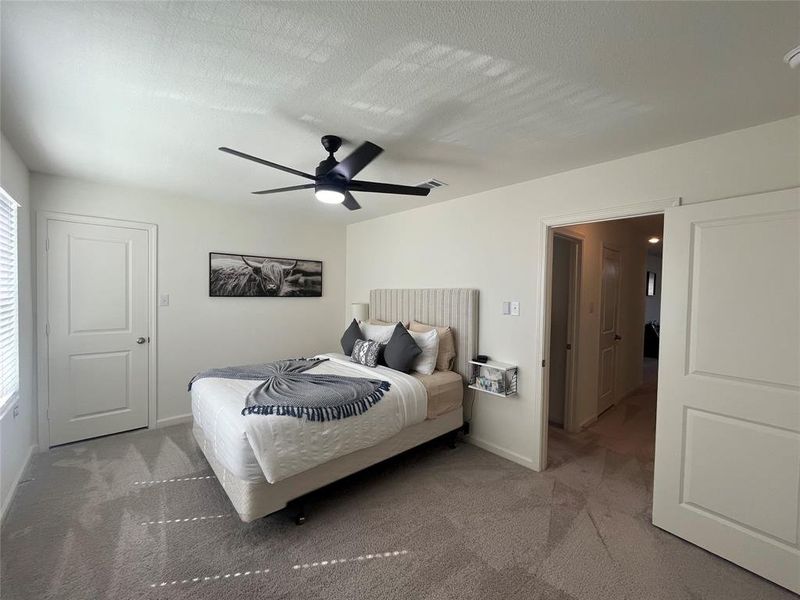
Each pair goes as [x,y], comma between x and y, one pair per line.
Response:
[350,336]
[401,350]
[365,352]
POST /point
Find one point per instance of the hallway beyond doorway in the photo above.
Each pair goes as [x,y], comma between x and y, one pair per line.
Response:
[628,428]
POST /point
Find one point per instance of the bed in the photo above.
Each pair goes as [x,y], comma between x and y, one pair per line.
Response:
[264,462]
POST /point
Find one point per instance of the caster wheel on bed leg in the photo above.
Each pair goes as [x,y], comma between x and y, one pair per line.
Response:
[299,519]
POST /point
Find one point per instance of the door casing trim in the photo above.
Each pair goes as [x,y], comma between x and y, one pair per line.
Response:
[41,318]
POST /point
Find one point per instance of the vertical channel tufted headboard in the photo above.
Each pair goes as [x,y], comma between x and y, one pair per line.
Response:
[456,308]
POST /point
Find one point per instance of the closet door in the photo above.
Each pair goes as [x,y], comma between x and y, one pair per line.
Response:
[98,321]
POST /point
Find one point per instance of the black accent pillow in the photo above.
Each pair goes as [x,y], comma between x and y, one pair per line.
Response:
[350,336]
[381,359]
[401,350]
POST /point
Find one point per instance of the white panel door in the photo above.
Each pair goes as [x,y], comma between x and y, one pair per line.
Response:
[98,344]
[727,468]
[609,301]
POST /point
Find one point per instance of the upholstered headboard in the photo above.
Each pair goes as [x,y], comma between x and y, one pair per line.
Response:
[456,308]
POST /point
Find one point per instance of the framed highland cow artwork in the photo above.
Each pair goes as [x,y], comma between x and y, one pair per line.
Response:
[238,275]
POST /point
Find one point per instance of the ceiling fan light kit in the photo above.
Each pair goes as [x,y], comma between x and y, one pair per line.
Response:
[333,180]
[329,194]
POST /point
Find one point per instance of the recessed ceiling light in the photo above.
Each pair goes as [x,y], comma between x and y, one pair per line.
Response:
[654,240]
[792,57]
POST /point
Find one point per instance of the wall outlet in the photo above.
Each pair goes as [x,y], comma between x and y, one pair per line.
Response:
[506,308]
[163,300]
[515,309]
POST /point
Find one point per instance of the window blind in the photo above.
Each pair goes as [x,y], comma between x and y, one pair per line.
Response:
[9,303]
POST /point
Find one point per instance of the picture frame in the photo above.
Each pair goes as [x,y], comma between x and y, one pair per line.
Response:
[254,276]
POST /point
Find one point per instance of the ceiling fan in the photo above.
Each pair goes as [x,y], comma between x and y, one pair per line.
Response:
[333,180]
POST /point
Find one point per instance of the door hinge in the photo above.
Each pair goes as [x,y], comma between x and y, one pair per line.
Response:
[544,363]
[47,244]
[47,329]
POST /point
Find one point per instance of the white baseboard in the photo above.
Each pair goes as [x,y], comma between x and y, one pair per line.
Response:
[176,420]
[504,452]
[11,492]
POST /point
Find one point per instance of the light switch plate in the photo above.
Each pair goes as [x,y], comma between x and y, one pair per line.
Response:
[506,308]
[515,309]
[163,300]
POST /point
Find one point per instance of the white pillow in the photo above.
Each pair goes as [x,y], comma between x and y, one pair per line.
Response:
[428,342]
[376,333]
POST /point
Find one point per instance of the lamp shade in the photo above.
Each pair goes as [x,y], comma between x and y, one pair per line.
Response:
[360,311]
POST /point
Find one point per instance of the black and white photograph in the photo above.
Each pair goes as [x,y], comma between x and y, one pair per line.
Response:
[237,275]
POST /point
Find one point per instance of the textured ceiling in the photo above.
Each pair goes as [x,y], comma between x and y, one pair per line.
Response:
[478,95]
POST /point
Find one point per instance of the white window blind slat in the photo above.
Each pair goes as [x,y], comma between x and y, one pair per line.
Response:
[9,300]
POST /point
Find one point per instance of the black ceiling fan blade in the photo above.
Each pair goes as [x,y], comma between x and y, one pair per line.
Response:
[267,163]
[356,160]
[387,188]
[350,202]
[292,188]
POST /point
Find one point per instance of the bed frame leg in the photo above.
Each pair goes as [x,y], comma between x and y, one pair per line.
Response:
[452,437]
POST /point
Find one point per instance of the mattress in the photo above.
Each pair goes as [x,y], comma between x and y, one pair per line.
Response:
[272,447]
[445,391]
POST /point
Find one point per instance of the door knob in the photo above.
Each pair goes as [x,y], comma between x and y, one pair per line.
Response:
[141,340]
[617,337]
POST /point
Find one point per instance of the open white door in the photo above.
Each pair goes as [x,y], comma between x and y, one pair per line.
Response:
[727,469]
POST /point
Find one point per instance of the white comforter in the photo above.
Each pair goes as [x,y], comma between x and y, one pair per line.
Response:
[255,447]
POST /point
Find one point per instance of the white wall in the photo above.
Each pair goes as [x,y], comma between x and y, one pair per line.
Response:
[652,310]
[626,237]
[195,331]
[17,433]
[490,241]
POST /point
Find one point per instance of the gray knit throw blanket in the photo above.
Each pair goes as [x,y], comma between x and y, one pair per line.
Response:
[288,390]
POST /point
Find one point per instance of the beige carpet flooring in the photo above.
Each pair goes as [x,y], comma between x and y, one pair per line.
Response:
[137,516]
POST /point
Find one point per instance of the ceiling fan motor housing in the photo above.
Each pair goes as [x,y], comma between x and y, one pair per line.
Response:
[327,181]
[325,166]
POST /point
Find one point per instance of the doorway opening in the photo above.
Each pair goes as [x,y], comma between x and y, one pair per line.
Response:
[716,462]
[603,323]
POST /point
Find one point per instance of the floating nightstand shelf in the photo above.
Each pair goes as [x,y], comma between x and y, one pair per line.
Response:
[493,377]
